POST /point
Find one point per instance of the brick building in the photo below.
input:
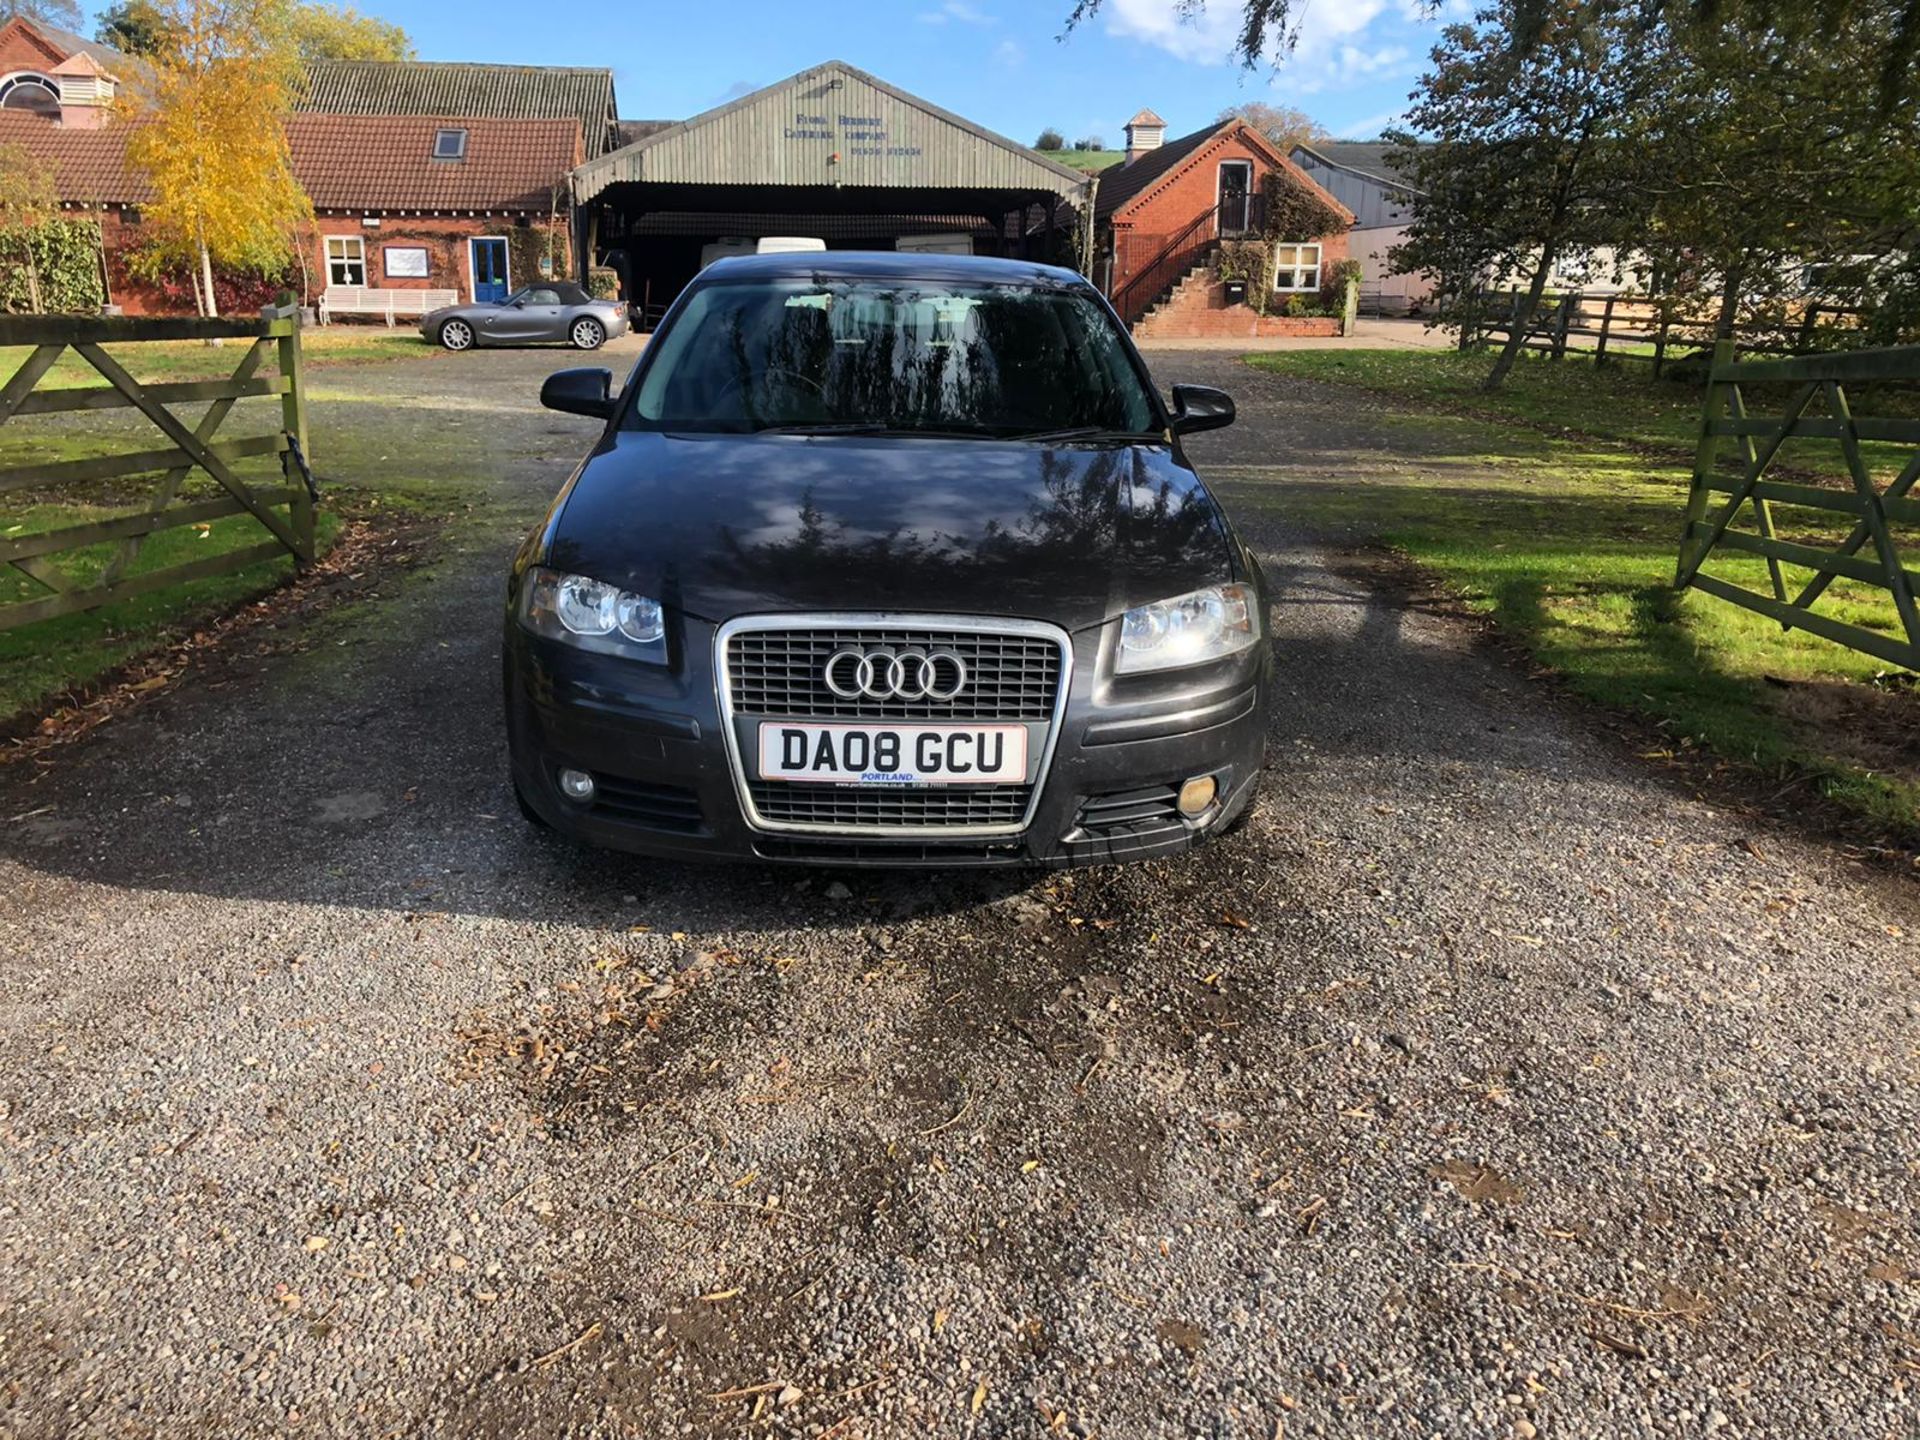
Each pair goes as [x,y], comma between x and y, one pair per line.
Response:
[1162,213]
[422,176]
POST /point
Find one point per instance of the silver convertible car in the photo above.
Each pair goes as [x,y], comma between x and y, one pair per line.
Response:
[551,310]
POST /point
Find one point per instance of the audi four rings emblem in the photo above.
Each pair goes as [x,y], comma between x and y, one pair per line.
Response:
[887,675]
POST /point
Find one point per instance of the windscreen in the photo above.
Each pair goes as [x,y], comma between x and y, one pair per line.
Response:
[995,361]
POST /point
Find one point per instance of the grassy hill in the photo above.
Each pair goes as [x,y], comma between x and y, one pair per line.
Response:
[1085,159]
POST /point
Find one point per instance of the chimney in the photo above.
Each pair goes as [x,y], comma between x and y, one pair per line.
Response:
[1146,131]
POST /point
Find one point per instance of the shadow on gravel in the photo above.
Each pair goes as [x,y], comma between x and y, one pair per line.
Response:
[377,780]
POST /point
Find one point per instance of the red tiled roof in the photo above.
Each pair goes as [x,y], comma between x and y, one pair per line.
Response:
[89,166]
[385,162]
[1122,184]
[345,162]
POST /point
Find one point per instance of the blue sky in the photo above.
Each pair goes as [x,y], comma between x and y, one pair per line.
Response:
[1000,63]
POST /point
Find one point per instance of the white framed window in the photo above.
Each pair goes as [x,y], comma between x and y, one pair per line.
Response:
[346,260]
[1296,267]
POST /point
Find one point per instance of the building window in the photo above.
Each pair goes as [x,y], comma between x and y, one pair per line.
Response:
[450,145]
[346,260]
[1296,267]
[30,92]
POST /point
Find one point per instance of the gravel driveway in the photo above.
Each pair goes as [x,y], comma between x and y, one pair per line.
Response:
[1482,1086]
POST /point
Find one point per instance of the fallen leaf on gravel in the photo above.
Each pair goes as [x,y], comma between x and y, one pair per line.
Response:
[1891,1271]
[316,1243]
[1477,1182]
[719,1295]
[1182,1334]
[1234,922]
[1029,1167]
[979,1398]
[1845,1222]
[1684,1304]
[939,1321]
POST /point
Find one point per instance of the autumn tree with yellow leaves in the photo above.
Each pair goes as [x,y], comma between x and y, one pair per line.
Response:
[212,139]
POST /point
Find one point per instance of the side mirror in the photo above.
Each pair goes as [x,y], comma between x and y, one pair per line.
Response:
[579,392]
[1200,407]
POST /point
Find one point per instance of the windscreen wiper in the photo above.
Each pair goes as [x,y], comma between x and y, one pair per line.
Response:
[851,427]
[863,427]
[1085,432]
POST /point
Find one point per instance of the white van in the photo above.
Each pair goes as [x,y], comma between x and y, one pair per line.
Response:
[730,245]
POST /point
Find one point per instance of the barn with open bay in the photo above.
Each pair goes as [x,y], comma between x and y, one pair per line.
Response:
[832,154]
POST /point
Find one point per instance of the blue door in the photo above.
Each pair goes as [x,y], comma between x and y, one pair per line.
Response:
[489,269]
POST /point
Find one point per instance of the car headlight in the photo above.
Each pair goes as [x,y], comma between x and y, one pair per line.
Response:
[592,615]
[1208,624]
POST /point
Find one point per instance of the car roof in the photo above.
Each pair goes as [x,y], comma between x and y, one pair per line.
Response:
[890,265]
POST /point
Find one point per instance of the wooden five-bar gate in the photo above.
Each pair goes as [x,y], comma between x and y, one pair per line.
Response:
[282,508]
[1818,408]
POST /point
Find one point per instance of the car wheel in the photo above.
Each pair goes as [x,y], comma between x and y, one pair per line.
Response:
[588,334]
[456,335]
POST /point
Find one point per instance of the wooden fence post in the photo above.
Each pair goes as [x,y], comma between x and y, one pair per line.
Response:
[1660,344]
[1807,324]
[1563,318]
[1606,324]
[285,324]
[1704,452]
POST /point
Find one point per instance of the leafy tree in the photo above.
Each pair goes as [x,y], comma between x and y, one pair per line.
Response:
[1773,155]
[1090,142]
[27,202]
[1050,139]
[64,13]
[214,143]
[340,32]
[1282,124]
[133,27]
[1534,155]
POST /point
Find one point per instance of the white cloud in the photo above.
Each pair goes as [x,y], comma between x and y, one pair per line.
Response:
[1010,54]
[1207,38]
[1337,42]
[964,12]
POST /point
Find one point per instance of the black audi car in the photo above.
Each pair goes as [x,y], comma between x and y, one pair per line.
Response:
[891,560]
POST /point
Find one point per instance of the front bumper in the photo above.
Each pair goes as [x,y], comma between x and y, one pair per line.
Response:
[652,738]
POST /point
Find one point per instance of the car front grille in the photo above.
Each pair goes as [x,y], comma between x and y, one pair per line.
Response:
[863,807]
[780,673]
[775,670]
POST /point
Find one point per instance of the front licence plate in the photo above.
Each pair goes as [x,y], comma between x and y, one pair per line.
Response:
[894,754]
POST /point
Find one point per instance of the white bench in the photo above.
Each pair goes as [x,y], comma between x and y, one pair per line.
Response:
[365,300]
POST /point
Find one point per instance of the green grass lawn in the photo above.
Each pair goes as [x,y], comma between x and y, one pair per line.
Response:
[1570,544]
[156,360]
[49,657]
[1619,403]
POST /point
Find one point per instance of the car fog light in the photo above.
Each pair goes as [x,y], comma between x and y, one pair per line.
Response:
[577,785]
[1196,795]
